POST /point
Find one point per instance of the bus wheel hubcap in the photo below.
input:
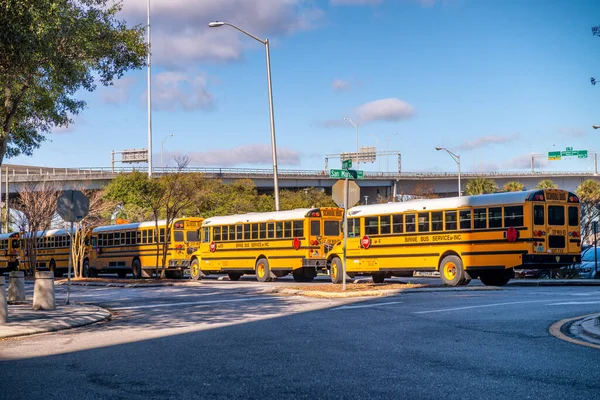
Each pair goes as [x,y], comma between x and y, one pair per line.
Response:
[450,271]
[261,270]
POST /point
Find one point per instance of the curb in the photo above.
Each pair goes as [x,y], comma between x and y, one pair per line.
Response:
[555,282]
[583,330]
[96,314]
[128,285]
[371,293]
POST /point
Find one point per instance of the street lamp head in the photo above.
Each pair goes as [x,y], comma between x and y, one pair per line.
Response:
[438,148]
[596,126]
[216,24]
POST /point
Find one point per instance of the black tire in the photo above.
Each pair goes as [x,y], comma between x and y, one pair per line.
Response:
[452,271]
[543,274]
[234,276]
[263,271]
[378,277]
[495,278]
[299,276]
[122,274]
[136,269]
[57,273]
[85,272]
[195,272]
[174,274]
[336,270]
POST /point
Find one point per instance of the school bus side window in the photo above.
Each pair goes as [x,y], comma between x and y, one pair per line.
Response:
[287,229]
[315,228]
[423,222]
[217,233]
[279,230]
[239,232]
[205,235]
[465,219]
[495,216]
[398,227]
[450,220]
[371,225]
[353,227]
[410,223]
[246,229]
[436,221]
[298,229]
[384,224]
[270,230]
[254,231]
[513,216]
[479,218]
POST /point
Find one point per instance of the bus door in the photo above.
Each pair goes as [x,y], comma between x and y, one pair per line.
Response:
[332,228]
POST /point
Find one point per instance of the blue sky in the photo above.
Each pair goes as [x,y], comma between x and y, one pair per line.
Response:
[493,81]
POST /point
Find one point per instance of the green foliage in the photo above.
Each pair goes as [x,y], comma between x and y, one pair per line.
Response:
[546,184]
[589,198]
[50,50]
[513,186]
[480,185]
[304,198]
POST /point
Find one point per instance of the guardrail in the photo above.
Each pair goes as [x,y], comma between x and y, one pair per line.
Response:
[87,171]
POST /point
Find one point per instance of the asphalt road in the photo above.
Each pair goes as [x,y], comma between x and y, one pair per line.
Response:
[226,340]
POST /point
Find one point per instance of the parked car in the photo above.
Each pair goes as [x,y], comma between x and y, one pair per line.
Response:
[537,273]
[588,269]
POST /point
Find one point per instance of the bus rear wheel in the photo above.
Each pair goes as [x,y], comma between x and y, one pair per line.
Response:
[234,276]
[300,276]
[452,271]
[263,271]
[136,269]
[195,273]
[122,274]
[335,271]
[378,277]
[494,278]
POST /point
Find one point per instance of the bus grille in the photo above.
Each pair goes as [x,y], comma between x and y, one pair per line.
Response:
[556,242]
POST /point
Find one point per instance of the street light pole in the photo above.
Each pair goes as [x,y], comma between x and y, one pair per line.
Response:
[387,150]
[456,158]
[376,148]
[356,127]
[149,99]
[162,144]
[265,42]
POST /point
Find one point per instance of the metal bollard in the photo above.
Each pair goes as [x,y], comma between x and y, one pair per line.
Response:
[43,291]
[3,303]
[16,286]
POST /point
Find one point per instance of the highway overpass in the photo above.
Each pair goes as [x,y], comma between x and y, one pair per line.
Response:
[384,184]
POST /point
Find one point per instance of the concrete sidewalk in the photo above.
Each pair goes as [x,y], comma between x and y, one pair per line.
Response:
[23,320]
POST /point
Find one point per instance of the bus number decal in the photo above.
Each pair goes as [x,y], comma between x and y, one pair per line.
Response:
[556,196]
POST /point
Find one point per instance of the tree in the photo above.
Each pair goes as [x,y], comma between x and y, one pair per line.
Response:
[421,190]
[513,186]
[480,185]
[165,197]
[304,198]
[546,184]
[99,213]
[36,206]
[589,199]
[50,50]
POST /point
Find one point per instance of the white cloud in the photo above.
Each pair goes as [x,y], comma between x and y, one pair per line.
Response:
[524,162]
[339,85]
[254,154]
[390,109]
[176,90]
[572,132]
[119,92]
[180,32]
[487,140]
[355,2]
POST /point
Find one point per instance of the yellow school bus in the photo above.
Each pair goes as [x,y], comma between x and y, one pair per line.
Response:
[484,236]
[132,248]
[53,248]
[9,251]
[269,244]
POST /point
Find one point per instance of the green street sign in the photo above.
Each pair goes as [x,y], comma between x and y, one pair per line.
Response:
[346,164]
[582,154]
[346,173]
[554,155]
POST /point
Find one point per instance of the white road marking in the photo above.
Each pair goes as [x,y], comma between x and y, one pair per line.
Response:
[187,303]
[480,306]
[574,303]
[365,305]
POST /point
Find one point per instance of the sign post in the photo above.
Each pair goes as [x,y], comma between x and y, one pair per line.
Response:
[72,206]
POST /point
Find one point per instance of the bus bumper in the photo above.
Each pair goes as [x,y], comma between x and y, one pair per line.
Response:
[179,264]
[549,260]
[319,264]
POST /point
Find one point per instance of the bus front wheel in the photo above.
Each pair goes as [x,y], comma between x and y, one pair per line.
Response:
[234,276]
[452,271]
[263,272]
[495,278]
[195,273]
[336,271]
[378,277]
